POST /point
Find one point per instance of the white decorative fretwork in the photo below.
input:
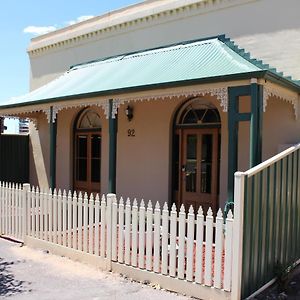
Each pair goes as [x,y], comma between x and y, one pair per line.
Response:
[59,107]
[220,93]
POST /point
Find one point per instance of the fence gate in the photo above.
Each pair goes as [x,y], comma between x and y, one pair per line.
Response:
[14,158]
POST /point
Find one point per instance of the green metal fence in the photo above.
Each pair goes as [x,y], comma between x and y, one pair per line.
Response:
[271,221]
[14,158]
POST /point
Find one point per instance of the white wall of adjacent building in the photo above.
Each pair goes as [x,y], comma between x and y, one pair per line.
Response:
[269,29]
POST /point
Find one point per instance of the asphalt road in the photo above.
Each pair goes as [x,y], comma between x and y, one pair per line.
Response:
[32,274]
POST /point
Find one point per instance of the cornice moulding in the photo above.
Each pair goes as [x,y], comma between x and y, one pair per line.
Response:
[120,21]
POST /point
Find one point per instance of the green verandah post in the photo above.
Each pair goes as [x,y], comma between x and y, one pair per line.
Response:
[256,123]
[53,133]
[112,149]
[234,117]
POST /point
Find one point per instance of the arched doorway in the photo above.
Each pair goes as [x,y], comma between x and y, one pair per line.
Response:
[87,152]
[197,155]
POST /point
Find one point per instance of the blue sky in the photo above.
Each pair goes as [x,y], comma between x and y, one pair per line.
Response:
[20,19]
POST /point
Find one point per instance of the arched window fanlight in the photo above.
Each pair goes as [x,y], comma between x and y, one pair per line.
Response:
[89,120]
[197,113]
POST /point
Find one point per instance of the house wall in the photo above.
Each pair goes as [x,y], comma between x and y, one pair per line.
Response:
[144,161]
[279,127]
[39,143]
[269,29]
[39,154]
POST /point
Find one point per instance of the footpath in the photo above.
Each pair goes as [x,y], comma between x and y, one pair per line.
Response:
[29,274]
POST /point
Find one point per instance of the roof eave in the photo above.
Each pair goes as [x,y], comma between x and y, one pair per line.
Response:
[282,81]
[110,93]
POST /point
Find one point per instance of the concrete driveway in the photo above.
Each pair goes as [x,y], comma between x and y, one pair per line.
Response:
[32,274]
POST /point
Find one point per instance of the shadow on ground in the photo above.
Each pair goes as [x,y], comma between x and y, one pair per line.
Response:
[287,289]
[9,285]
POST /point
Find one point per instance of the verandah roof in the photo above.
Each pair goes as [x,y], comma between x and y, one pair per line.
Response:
[214,59]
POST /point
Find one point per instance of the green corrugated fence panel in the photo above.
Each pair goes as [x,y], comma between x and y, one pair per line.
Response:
[14,158]
[271,222]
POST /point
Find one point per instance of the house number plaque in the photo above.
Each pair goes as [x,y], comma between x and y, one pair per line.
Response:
[131,132]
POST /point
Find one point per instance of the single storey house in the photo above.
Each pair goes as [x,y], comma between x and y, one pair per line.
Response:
[160,101]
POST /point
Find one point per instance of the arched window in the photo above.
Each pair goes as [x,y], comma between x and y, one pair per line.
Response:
[197,113]
[87,152]
[89,119]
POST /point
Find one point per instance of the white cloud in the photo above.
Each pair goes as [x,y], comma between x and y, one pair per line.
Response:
[39,30]
[79,19]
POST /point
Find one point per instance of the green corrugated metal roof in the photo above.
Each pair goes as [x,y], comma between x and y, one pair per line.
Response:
[211,59]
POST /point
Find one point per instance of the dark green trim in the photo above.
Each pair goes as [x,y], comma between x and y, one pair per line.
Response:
[271,73]
[232,139]
[255,91]
[112,150]
[242,117]
[53,133]
[256,124]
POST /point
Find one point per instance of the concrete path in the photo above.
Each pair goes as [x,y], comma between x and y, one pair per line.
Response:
[31,274]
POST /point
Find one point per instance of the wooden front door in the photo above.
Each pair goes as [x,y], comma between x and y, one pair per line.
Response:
[199,168]
[87,162]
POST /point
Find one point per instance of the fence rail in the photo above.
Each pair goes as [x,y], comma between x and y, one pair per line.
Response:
[182,245]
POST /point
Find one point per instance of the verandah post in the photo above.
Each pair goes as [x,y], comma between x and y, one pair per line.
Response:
[112,148]
[25,210]
[256,123]
[53,132]
[238,224]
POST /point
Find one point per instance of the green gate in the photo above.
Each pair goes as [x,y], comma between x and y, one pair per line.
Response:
[271,221]
[14,158]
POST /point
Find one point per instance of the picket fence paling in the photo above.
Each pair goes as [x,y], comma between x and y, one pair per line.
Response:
[103,226]
[142,215]
[134,233]
[186,245]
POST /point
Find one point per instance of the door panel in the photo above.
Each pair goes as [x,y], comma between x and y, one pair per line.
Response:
[199,161]
[87,162]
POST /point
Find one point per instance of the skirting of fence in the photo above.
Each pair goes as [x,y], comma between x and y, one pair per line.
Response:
[188,252]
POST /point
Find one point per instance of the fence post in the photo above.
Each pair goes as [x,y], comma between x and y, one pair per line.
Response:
[110,199]
[238,223]
[25,203]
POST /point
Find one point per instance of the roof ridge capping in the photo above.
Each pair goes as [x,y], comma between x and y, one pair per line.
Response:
[173,45]
[271,71]
[257,62]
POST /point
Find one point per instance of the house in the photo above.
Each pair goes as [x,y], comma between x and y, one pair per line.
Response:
[159,100]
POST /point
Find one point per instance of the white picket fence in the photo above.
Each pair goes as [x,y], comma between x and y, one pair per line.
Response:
[187,247]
